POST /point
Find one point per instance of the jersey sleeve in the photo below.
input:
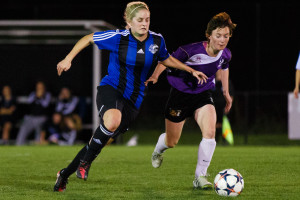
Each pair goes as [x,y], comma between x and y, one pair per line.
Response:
[227,58]
[163,52]
[106,39]
[225,65]
[181,55]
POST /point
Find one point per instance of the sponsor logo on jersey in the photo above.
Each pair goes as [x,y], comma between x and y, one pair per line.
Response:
[153,48]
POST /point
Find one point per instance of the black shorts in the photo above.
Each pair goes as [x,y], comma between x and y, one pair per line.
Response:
[109,98]
[182,105]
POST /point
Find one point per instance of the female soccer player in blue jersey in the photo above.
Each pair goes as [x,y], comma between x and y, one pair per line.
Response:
[134,53]
[187,98]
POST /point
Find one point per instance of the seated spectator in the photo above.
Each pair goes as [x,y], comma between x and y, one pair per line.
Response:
[66,105]
[53,130]
[38,101]
[7,109]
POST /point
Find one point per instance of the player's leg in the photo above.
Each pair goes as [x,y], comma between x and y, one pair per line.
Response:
[166,140]
[206,119]
[108,125]
[110,105]
[176,112]
[105,96]
[63,175]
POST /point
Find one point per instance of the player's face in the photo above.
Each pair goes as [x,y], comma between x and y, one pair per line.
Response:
[219,38]
[140,23]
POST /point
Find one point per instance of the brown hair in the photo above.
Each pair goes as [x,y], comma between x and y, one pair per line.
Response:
[220,20]
[132,8]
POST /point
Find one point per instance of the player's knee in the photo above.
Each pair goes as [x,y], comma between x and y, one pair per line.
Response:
[209,134]
[112,119]
[112,125]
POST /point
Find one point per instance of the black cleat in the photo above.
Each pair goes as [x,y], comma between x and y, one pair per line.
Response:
[83,170]
[60,184]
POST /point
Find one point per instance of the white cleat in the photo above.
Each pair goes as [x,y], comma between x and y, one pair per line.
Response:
[157,159]
[202,183]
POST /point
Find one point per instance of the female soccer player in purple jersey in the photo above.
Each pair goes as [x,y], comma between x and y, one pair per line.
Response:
[188,99]
[134,53]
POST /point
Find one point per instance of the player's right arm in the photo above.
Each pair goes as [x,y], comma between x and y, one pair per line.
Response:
[65,64]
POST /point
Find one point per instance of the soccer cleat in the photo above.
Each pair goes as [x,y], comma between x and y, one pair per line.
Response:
[202,183]
[83,170]
[60,184]
[157,159]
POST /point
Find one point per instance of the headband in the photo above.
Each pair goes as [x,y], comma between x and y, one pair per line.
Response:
[136,8]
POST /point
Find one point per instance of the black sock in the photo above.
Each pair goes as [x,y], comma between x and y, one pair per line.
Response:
[98,141]
[74,164]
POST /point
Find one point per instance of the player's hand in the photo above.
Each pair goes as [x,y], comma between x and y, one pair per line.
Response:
[296,92]
[151,79]
[228,100]
[62,66]
[202,78]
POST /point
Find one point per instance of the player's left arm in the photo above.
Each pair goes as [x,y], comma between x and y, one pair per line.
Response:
[157,72]
[225,86]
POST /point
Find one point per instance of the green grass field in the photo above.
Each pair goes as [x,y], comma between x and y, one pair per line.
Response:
[122,172]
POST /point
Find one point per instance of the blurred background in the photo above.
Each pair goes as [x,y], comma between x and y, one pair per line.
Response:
[264,46]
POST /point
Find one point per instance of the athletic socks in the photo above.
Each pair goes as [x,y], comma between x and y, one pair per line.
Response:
[89,152]
[97,142]
[161,144]
[74,164]
[205,153]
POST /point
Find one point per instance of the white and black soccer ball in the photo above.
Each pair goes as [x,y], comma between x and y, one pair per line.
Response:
[229,182]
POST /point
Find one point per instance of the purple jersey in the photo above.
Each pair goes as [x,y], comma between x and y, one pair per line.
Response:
[195,56]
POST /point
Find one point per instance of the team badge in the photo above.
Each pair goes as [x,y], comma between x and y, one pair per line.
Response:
[175,113]
[153,48]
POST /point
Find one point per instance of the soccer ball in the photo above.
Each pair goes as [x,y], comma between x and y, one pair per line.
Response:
[229,182]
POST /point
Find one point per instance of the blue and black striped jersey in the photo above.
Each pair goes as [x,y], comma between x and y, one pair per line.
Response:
[131,62]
